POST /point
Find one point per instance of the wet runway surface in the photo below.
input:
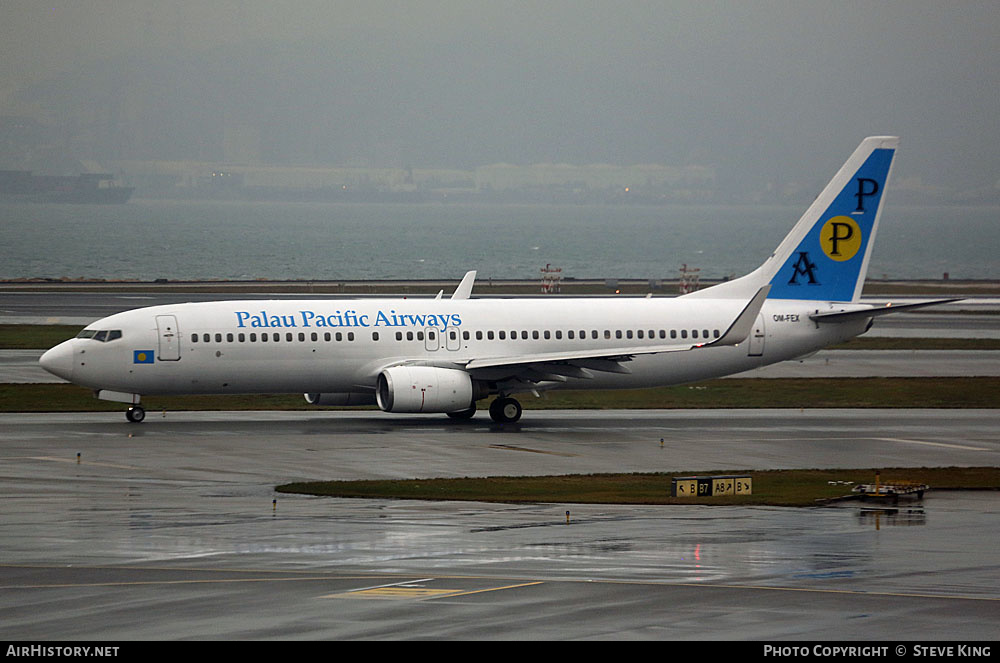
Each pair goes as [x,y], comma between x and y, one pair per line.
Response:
[169,530]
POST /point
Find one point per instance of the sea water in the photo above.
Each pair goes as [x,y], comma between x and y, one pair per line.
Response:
[192,240]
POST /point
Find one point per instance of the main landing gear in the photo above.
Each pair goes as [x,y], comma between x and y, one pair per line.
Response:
[505,410]
[135,414]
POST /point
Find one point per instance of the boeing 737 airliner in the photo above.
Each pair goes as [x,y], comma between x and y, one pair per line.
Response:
[444,355]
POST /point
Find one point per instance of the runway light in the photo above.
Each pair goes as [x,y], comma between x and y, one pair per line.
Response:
[567,517]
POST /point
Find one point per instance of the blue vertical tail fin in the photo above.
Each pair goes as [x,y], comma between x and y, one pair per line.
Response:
[825,256]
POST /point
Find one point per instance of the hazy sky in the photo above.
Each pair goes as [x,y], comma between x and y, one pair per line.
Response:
[785,89]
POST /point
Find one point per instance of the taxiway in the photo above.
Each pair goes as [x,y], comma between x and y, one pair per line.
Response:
[170,530]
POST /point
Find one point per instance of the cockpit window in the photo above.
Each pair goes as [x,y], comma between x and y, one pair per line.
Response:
[103,335]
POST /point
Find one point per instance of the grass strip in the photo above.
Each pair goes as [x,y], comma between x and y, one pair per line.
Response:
[955,392]
[35,337]
[772,488]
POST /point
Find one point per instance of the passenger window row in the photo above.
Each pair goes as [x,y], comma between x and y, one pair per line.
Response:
[490,335]
[272,337]
[582,334]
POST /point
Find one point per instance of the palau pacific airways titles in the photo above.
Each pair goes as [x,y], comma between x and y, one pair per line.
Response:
[347,318]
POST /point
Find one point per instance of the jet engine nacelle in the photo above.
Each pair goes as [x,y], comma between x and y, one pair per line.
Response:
[426,389]
[345,398]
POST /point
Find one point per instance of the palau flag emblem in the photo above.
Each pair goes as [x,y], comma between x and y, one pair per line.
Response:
[142,357]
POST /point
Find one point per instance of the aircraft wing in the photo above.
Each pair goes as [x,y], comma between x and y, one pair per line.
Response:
[580,363]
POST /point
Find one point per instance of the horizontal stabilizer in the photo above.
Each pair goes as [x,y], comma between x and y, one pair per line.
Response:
[857,314]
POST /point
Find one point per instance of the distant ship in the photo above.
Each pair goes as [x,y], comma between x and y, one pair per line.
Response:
[89,188]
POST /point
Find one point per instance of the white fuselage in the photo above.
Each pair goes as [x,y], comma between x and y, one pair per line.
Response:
[300,346]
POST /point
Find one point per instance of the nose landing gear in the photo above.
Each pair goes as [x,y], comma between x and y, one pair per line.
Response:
[135,414]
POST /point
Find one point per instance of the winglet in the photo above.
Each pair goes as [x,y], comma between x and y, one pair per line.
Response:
[743,324]
[464,289]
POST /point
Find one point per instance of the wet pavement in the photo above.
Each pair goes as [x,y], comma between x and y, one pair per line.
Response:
[171,530]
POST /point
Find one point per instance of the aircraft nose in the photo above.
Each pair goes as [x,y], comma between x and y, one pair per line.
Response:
[59,360]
